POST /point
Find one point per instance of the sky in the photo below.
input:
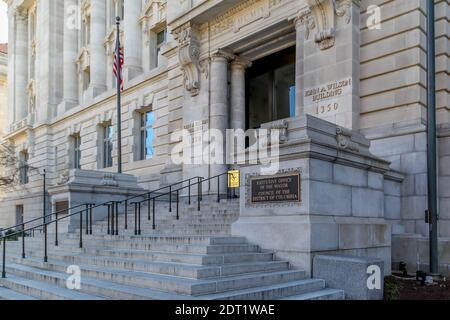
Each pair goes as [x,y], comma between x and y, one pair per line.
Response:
[3,23]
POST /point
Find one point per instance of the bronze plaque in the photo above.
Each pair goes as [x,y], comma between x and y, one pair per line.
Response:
[283,188]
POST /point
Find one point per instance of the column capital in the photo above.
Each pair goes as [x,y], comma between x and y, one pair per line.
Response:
[21,15]
[241,63]
[222,54]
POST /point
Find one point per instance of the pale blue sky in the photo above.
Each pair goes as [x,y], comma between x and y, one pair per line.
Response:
[3,23]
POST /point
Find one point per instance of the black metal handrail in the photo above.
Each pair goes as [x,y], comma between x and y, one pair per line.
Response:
[39,218]
[113,214]
[151,200]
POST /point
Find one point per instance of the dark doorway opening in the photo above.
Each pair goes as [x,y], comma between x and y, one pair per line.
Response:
[270,93]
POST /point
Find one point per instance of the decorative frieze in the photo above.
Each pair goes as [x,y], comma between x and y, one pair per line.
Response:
[242,15]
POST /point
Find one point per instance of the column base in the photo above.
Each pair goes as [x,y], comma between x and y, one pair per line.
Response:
[66,105]
[94,91]
[131,72]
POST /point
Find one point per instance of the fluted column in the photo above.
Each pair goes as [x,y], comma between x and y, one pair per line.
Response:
[97,49]
[219,116]
[133,39]
[237,112]
[11,67]
[21,66]
[301,23]
[70,53]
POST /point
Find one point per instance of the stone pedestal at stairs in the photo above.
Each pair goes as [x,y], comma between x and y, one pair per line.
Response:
[81,186]
[339,206]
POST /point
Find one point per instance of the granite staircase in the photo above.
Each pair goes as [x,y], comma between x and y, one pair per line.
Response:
[193,258]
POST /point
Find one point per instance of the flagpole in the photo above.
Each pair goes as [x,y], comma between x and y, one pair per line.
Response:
[119,116]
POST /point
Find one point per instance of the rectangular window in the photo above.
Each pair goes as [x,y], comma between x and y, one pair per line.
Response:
[23,169]
[108,133]
[147,135]
[271,89]
[161,38]
[76,151]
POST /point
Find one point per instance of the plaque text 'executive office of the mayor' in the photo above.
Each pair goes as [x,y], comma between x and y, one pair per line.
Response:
[284,188]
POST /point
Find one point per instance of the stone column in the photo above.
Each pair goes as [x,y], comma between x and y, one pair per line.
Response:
[237,112]
[97,49]
[219,114]
[133,39]
[299,66]
[21,66]
[70,53]
[11,67]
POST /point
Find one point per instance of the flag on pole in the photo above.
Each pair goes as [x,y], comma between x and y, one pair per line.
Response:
[118,62]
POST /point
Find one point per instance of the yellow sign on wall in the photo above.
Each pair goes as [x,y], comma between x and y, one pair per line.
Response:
[234,179]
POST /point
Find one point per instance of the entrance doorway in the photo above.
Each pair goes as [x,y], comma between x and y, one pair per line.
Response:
[270,93]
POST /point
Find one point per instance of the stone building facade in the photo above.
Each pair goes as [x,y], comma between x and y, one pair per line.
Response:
[3,93]
[198,64]
[3,87]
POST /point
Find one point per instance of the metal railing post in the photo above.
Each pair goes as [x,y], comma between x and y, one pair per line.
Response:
[23,241]
[199,190]
[154,222]
[170,198]
[90,218]
[135,219]
[218,189]
[113,212]
[139,219]
[81,229]
[149,208]
[4,259]
[178,199]
[189,192]
[117,218]
[126,214]
[87,219]
[56,229]
[109,221]
[45,243]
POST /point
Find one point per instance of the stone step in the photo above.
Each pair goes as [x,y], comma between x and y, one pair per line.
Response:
[270,292]
[202,259]
[171,284]
[94,287]
[8,294]
[325,294]
[43,290]
[166,268]
[72,244]
[153,238]
[188,258]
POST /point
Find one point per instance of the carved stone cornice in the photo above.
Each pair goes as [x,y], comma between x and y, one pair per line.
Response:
[189,56]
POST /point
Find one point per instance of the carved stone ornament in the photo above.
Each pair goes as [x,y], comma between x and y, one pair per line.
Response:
[343,8]
[281,126]
[63,178]
[344,140]
[109,180]
[323,13]
[305,19]
[189,57]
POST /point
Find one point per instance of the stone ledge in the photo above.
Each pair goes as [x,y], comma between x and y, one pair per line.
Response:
[334,269]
